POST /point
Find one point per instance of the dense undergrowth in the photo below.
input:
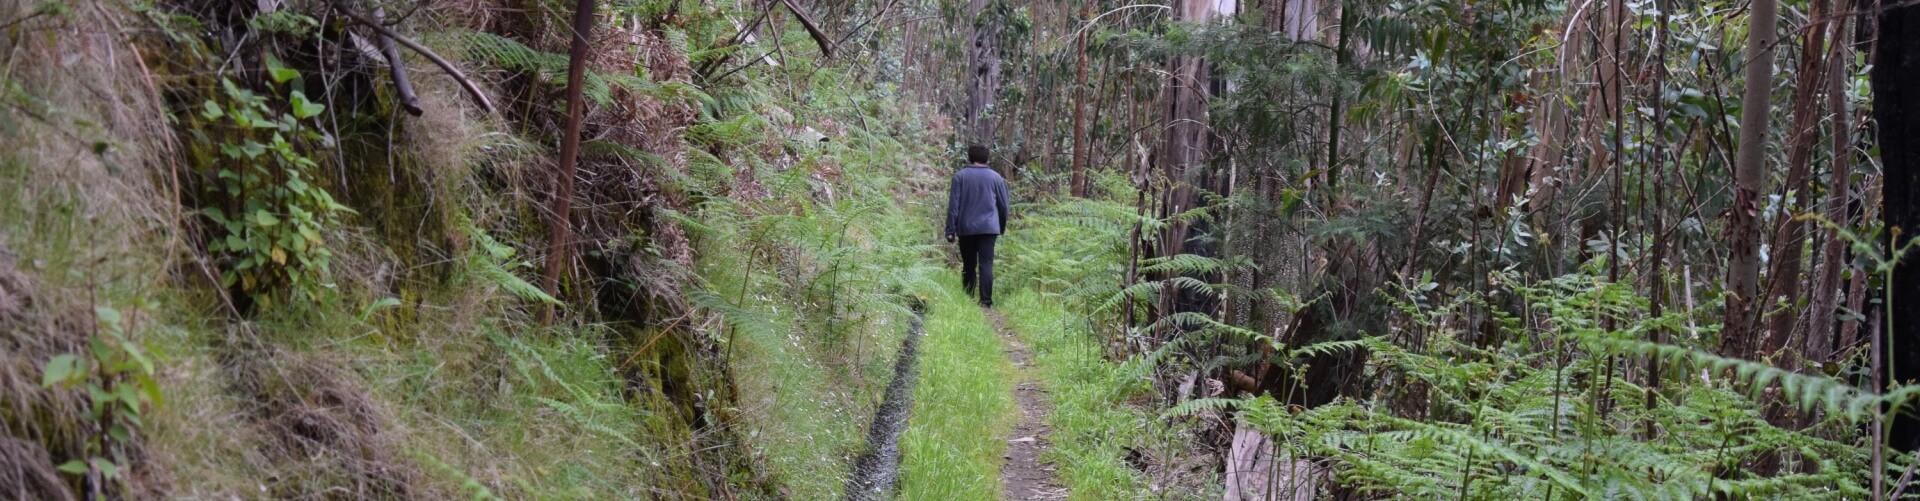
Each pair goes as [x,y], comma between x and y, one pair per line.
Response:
[748,274]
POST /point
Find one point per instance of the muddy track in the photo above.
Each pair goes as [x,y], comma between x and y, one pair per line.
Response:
[1025,476]
[875,473]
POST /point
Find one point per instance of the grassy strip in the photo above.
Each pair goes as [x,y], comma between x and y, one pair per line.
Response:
[962,408]
[1091,420]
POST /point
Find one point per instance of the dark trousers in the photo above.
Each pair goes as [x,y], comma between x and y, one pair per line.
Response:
[976,256]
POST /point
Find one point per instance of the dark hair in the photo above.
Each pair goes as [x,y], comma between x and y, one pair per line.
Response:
[977,154]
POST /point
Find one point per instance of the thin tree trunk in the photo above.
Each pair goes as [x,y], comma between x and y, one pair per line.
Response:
[1743,225]
[1342,58]
[1080,139]
[1656,281]
[1790,236]
[1825,290]
[562,203]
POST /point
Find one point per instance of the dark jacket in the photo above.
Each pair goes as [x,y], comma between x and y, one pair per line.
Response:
[977,204]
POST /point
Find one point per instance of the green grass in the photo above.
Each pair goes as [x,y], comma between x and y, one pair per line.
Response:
[1091,419]
[962,407]
[814,301]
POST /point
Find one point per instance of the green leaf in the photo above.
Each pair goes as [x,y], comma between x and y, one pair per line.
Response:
[152,388]
[144,364]
[106,467]
[212,110]
[109,317]
[383,303]
[264,218]
[127,394]
[59,369]
[304,109]
[279,72]
[76,467]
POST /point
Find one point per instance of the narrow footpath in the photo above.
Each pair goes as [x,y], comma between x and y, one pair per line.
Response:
[1024,476]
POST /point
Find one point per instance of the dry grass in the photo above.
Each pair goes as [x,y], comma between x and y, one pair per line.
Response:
[26,472]
[314,413]
[34,419]
[84,222]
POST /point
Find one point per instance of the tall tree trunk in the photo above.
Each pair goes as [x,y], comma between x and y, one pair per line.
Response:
[1896,106]
[1656,279]
[983,68]
[1184,154]
[1825,289]
[1743,221]
[1790,235]
[1185,145]
[1081,94]
[1342,57]
[562,204]
[1550,120]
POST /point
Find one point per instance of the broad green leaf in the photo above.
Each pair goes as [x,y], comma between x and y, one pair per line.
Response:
[127,394]
[264,218]
[304,109]
[59,369]
[280,73]
[106,467]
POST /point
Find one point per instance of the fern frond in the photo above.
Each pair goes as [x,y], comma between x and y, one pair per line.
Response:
[1194,406]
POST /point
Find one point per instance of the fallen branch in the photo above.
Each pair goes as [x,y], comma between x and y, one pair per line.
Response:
[422,50]
[819,37]
[408,99]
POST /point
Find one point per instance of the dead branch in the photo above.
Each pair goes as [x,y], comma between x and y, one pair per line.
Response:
[448,67]
[408,99]
[813,29]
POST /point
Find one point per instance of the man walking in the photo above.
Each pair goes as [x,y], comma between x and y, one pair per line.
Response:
[977,210]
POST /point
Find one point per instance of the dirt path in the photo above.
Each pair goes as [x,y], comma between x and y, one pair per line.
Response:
[1024,476]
